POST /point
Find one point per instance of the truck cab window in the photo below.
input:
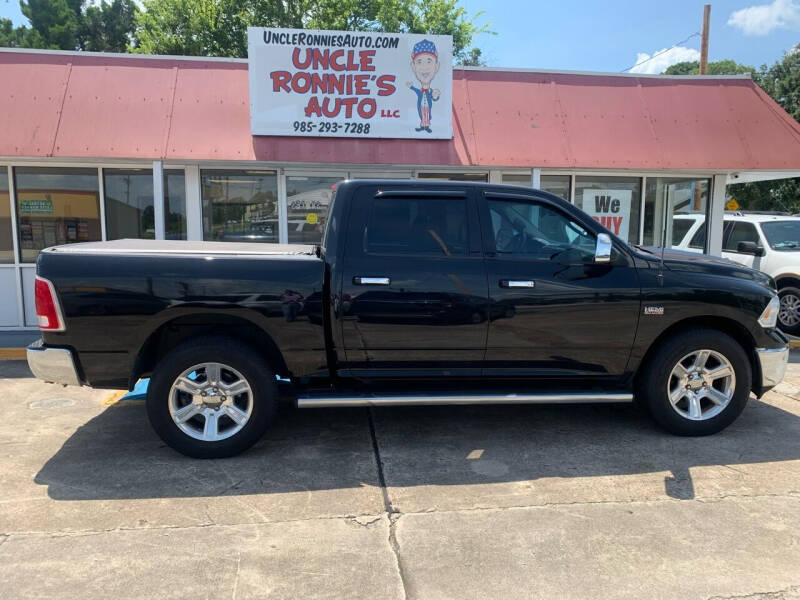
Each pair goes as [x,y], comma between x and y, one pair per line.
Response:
[538,231]
[432,226]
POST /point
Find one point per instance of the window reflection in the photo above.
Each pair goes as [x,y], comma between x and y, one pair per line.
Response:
[308,200]
[240,206]
[675,210]
[175,204]
[556,184]
[129,203]
[455,176]
[6,242]
[56,206]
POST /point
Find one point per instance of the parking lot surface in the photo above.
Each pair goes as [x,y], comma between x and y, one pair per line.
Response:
[427,502]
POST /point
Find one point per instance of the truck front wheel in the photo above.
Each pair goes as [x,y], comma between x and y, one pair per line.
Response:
[789,315]
[696,382]
[211,398]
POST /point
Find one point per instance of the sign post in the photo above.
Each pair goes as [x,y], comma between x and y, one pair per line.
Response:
[350,84]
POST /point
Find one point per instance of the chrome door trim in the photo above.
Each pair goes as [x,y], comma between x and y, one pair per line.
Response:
[487,398]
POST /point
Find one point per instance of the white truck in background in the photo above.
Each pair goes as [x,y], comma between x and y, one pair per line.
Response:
[767,242]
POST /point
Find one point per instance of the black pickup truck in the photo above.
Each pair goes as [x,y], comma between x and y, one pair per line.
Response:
[420,293]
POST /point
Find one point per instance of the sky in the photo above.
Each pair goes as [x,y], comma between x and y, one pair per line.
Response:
[615,35]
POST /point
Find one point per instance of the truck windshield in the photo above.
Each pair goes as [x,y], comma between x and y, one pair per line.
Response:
[783,236]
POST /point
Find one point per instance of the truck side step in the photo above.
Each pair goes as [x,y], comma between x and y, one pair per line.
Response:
[320,401]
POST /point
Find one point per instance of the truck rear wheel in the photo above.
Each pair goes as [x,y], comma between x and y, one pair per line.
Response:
[696,383]
[211,398]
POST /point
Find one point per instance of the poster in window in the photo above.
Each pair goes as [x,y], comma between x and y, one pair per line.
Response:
[611,208]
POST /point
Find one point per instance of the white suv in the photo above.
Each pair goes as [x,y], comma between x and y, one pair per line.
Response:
[769,243]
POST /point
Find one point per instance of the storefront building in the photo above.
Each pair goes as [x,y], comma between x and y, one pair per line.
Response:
[100,147]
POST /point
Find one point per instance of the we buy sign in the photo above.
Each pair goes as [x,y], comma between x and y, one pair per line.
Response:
[611,208]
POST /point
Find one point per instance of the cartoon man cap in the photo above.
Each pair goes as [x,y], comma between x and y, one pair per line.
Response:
[424,47]
[425,65]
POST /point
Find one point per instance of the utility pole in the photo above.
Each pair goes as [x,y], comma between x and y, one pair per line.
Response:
[704,43]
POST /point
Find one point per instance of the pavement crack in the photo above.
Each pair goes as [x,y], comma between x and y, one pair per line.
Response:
[392,514]
[387,501]
[773,595]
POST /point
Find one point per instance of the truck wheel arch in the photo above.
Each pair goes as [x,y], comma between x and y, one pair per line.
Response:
[177,330]
[729,326]
[787,280]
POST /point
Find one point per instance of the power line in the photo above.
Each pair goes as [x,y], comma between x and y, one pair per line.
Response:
[695,34]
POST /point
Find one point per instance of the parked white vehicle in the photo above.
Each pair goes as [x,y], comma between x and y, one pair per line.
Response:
[767,242]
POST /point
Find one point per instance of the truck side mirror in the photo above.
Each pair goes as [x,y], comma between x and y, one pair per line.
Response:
[602,251]
[753,248]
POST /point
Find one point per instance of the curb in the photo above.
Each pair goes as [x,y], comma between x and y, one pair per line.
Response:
[13,353]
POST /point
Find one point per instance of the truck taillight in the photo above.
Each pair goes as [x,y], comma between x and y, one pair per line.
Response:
[48,311]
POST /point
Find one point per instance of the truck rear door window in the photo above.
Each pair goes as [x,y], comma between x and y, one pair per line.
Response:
[431,226]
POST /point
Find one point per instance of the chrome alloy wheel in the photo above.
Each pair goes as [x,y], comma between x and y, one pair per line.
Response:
[210,402]
[701,385]
[789,315]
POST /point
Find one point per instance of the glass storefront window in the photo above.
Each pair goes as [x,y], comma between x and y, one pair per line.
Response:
[307,201]
[455,176]
[523,179]
[6,241]
[56,206]
[556,184]
[675,209]
[129,203]
[240,206]
[175,204]
[613,201]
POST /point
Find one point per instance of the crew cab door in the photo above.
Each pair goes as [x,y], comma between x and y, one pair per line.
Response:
[554,311]
[414,299]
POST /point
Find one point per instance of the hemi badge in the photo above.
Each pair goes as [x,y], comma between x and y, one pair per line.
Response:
[654,310]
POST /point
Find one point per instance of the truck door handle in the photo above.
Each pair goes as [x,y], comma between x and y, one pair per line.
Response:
[517,283]
[371,280]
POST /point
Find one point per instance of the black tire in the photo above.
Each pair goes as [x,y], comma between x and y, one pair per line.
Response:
[653,381]
[233,354]
[788,292]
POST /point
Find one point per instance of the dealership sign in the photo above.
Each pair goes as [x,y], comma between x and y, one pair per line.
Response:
[350,84]
[611,208]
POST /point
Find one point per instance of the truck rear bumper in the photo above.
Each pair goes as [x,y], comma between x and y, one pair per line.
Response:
[773,363]
[56,365]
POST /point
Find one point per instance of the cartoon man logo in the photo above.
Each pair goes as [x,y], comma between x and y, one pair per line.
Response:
[425,65]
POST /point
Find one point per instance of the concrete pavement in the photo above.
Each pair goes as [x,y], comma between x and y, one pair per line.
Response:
[436,502]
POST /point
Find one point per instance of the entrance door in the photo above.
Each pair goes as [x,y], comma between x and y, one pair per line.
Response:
[553,310]
[414,298]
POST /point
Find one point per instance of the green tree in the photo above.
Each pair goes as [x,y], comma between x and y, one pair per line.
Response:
[719,67]
[219,27]
[782,81]
[474,58]
[72,25]
[18,37]
[108,26]
[56,21]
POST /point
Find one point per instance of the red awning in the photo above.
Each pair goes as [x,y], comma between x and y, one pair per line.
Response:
[80,105]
